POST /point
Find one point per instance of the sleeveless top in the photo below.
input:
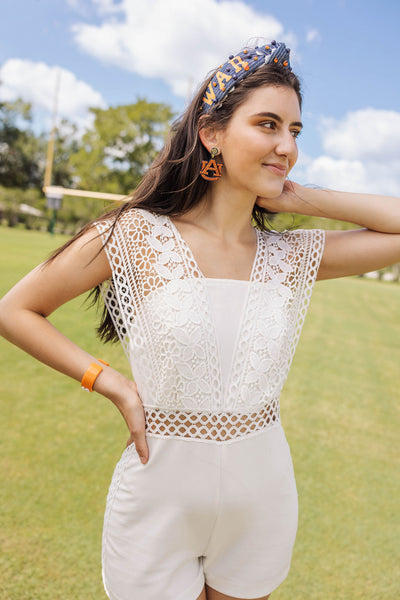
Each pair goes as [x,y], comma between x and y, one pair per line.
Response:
[160,304]
[226,317]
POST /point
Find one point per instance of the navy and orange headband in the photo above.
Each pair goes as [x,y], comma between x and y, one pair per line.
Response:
[238,68]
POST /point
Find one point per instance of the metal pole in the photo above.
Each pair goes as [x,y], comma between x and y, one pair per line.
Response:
[61,191]
[53,221]
[50,146]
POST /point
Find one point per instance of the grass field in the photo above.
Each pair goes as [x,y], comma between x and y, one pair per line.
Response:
[340,410]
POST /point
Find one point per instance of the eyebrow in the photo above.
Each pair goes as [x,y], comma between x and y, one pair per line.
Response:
[278,118]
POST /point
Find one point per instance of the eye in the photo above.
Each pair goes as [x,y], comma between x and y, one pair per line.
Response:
[295,133]
[268,124]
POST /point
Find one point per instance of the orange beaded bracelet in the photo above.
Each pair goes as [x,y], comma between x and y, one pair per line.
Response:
[91,375]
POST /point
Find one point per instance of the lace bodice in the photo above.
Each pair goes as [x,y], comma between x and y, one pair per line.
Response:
[160,305]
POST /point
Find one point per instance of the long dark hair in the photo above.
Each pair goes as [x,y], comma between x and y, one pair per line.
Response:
[173,185]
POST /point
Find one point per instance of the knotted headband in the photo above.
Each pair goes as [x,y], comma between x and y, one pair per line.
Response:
[240,66]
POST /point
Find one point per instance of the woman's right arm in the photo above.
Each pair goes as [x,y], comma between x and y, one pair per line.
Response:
[23,321]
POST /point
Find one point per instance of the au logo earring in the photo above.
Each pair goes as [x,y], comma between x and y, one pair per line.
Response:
[211,170]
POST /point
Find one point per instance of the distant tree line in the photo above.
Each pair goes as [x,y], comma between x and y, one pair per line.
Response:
[111,156]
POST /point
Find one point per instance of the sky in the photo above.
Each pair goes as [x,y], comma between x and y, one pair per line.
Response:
[111,52]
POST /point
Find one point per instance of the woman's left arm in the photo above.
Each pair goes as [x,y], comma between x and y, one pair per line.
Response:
[350,252]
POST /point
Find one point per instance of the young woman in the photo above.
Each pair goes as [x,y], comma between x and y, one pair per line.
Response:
[208,308]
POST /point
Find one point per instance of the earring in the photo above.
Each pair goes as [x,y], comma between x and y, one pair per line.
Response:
[211,170]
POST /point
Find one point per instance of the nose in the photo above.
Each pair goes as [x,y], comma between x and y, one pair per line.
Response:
[287,146]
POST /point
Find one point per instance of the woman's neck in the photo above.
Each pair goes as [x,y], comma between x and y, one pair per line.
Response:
[225,213]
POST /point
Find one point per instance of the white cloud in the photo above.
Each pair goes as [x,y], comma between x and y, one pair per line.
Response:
[175,40]
[336,173]
[313,35]
[362,153]
[368,134]
[35,82]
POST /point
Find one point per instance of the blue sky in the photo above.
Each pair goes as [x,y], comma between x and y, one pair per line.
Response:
[110,52]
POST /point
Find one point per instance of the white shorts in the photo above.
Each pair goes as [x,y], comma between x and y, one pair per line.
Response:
[214,512]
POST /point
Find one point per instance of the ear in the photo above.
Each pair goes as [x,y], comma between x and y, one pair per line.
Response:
[209,137]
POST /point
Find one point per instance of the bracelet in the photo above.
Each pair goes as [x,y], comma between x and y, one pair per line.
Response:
[91,375]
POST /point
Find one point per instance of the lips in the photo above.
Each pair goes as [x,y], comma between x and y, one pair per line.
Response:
[276,168]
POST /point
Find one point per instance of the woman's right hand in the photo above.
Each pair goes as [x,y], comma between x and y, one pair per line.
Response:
[128,402]
[135,419]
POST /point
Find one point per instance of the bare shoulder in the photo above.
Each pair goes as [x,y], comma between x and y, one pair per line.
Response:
[86,254]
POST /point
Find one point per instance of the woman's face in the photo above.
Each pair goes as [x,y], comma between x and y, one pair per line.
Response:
[259,145]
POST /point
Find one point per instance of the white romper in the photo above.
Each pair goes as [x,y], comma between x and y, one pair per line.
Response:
[217,500]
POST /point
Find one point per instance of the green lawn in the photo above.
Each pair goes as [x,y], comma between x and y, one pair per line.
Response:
[340,409]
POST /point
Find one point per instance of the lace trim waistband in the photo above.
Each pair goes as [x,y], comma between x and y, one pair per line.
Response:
[219,427]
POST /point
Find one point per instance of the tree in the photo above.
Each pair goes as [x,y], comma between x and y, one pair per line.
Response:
[66,145]
[121,145]
[20,150]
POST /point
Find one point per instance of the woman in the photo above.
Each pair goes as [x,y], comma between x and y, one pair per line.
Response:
[203,502]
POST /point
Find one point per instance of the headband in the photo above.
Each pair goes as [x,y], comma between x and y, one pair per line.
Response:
[238,68]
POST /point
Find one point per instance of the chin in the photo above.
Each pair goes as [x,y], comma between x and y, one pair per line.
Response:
[270,188]
[271,191]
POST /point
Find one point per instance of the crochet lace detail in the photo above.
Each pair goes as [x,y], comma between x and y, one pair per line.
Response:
[158,300]
[219,427]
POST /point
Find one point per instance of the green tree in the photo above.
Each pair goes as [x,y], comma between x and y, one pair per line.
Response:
[66,145]
[21,153]
[121,145]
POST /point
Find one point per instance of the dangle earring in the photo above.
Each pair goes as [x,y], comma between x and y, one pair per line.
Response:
[211,170]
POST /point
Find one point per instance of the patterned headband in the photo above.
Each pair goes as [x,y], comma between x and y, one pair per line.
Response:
[239,67]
